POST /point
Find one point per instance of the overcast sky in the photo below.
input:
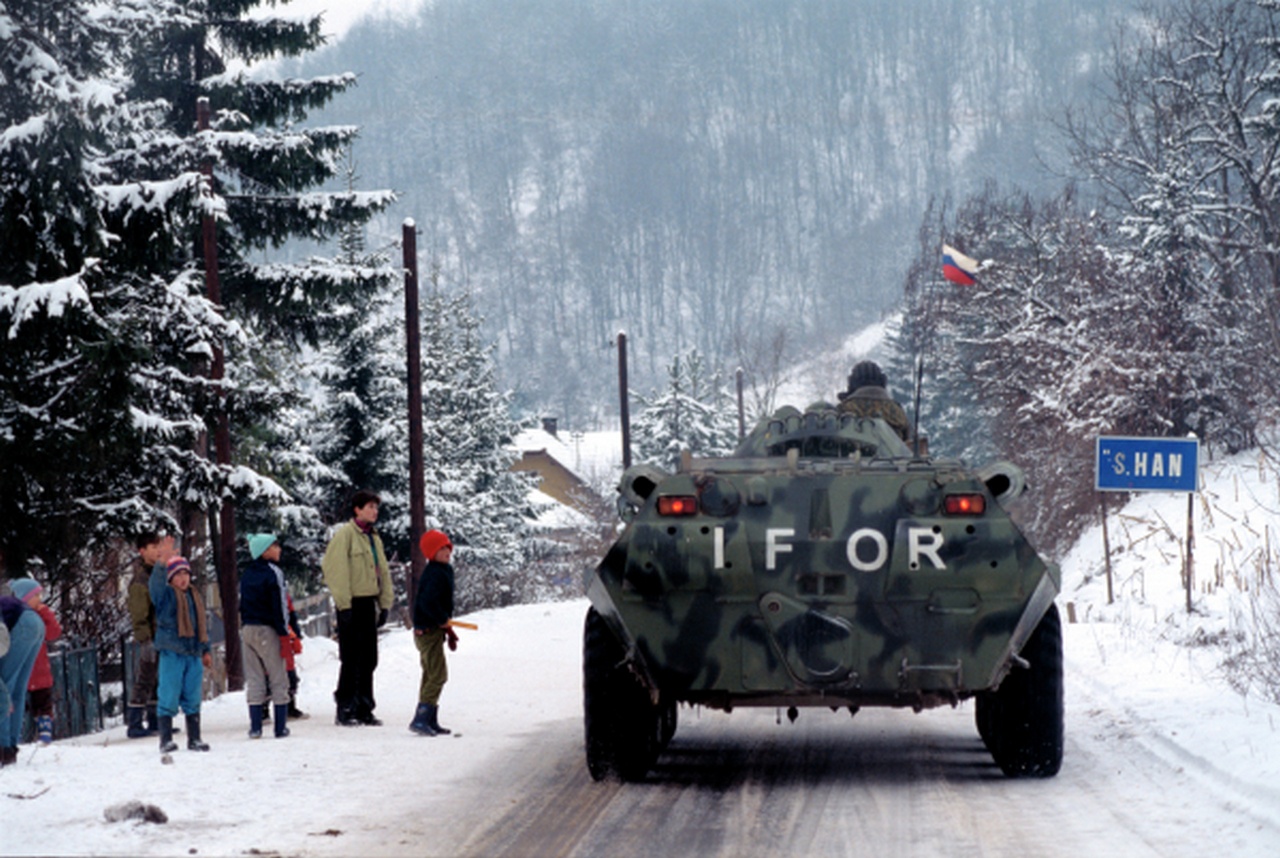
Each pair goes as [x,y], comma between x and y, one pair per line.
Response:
[340,15]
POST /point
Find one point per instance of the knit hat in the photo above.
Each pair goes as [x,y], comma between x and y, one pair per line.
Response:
[432,541]
[866,373]
[176,565]
[260,542]
[27,589]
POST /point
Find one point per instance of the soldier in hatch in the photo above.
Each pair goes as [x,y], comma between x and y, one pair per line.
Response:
[868,396]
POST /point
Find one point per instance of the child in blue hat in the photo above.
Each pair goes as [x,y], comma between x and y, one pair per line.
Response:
[264,633]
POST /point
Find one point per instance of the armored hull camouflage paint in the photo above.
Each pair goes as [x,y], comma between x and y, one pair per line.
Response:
[820,567]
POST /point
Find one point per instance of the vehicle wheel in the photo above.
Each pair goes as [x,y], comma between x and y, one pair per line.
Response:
[667,720]
[1026,717]
[621,726]
[984,716]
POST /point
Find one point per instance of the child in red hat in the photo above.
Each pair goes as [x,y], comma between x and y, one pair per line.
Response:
[432,610]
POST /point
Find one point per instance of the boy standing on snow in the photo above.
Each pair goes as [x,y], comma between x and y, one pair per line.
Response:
[356,573]
[182,639]
[142,696]
[265,635]
[432,610]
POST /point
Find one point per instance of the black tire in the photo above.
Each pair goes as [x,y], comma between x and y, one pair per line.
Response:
[984,716]
[620,723]
[667,720]
[1025,715]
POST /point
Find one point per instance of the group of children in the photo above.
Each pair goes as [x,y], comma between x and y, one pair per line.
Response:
[170,626]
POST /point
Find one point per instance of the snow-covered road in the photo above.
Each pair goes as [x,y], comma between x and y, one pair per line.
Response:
[883,783]
[1160,761]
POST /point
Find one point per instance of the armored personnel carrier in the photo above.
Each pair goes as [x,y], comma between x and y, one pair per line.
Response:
[824,564]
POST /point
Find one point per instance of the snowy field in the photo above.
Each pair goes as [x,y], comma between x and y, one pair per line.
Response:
[328,790]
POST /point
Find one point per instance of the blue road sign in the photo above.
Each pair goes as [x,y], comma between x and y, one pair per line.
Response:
[1147,464]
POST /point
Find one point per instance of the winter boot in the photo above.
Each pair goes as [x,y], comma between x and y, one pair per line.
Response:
[44,728]
[432,712]
[295,713]
[346,715]
[137,730]
[167,745]
[282,720]
[364,712]
[8,756]
[153,726]
[193,734]
[421,723]
[255,720]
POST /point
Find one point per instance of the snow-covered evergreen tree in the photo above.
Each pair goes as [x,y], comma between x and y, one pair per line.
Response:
[692,412]
[358,431]
[468,435]
[107,330]
[75,336]
[340,434]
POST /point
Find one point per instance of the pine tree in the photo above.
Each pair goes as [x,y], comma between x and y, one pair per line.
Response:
[102,290]
[358,430]
[71,334]
[693,412]
[358,403]
[468,435]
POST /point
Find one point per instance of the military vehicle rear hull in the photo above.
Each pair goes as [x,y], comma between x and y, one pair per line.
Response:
[824,565]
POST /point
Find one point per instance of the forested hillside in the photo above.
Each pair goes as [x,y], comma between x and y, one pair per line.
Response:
[740,178]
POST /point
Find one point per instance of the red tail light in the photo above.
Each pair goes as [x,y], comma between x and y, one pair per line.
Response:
[975,504]
[678,505]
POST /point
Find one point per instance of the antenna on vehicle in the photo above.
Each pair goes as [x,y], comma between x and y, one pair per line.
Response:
[919,385]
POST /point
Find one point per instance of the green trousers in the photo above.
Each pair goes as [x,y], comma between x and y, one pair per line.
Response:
[435,672]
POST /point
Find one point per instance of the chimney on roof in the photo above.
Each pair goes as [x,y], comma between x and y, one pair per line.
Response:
[549,426]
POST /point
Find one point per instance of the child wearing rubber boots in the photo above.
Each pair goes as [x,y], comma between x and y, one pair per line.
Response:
[264,633]
[432,610]
[182,641]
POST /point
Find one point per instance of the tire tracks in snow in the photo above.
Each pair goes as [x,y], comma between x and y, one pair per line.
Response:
[1259,801]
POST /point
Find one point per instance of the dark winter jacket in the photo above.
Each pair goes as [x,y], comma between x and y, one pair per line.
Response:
[166,604]
[141,613]
[11,609]
[261,597]
[433,606]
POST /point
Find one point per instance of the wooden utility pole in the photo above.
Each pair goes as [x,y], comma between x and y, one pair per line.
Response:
[225,551]
[623,408]
[1191,538]
[1106,545]
[413,345]
[742,413]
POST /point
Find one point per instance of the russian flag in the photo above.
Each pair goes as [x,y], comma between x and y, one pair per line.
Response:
[957,267]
